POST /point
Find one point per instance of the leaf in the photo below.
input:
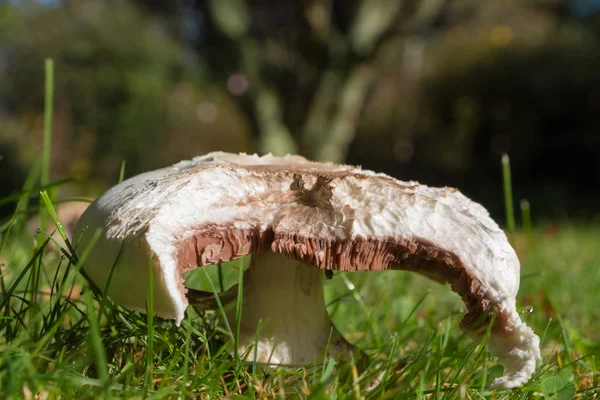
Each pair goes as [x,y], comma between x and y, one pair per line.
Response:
[559,388]
[327,370]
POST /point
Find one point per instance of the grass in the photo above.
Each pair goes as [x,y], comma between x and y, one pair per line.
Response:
[58,343]
[61,339]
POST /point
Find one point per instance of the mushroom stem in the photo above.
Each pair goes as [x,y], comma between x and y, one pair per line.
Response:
[287,297]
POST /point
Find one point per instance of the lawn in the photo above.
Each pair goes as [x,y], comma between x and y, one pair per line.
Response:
[59,340]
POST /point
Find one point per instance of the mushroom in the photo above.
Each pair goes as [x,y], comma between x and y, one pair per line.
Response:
[296,218]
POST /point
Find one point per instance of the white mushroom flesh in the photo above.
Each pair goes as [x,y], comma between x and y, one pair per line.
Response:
[285,298]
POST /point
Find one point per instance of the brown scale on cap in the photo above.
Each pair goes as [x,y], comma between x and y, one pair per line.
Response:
[319,196]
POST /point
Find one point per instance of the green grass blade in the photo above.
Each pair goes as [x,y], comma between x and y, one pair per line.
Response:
[220,307]
[238,310]
[95,340]
[150,322]
[52,212]
[186,354]
[256,338]
[565,339]
[46,150]
[508,197]
[220,272]
[391,357]
[48,109]
[122,172]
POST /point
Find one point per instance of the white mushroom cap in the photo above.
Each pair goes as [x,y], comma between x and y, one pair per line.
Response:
[220,207]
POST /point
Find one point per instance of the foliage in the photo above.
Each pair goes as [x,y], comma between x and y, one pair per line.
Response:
[124,90]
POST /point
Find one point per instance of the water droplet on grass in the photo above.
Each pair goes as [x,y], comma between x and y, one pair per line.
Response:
[528,309]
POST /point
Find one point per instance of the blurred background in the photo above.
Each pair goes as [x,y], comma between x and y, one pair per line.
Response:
[429,90]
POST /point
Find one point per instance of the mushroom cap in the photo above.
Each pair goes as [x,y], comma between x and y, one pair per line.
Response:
[219,207]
